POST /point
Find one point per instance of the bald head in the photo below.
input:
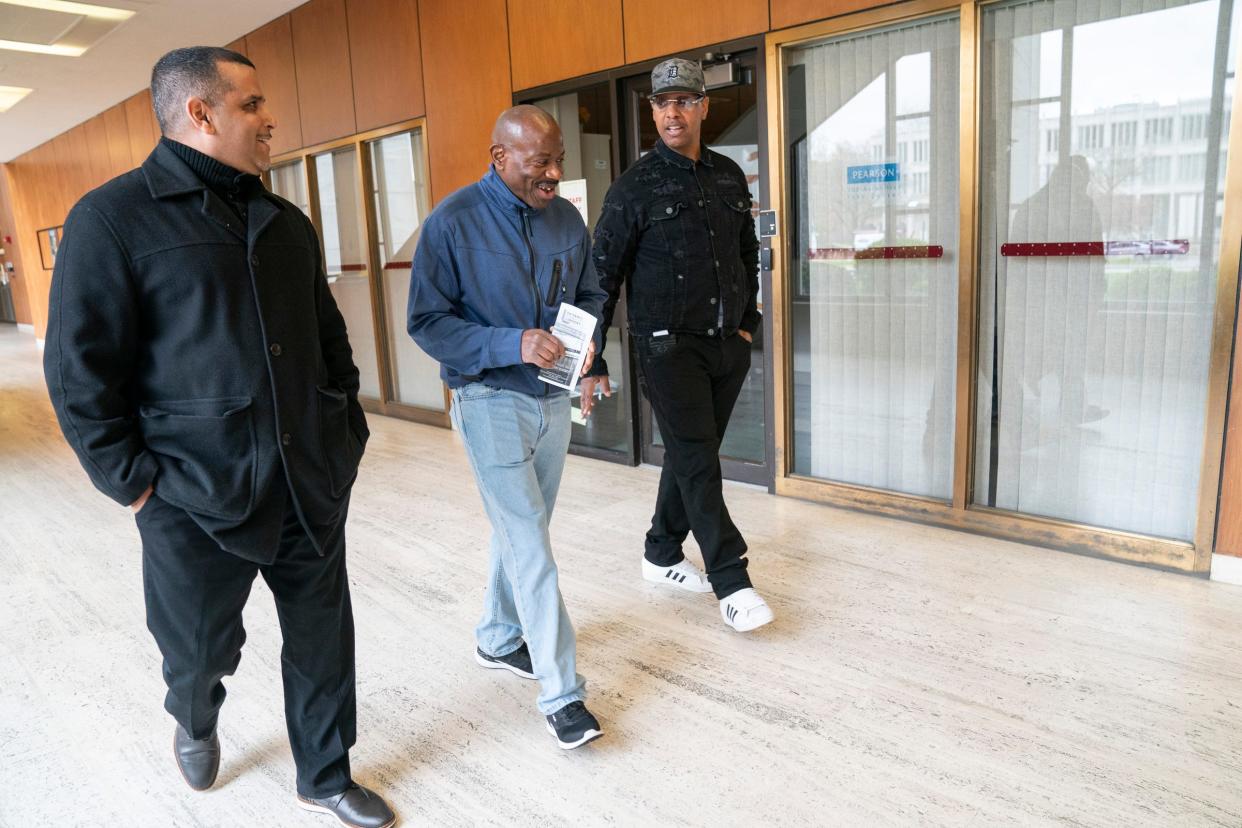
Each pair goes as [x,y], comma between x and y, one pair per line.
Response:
[521,122]
[528,153]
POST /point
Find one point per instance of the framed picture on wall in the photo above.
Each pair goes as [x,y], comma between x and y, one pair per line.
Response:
[49,241]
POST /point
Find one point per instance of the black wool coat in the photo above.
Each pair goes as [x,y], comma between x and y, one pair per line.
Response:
[204,355]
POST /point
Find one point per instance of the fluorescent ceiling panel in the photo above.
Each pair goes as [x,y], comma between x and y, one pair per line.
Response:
[56,27]
[10,95]
[84,9]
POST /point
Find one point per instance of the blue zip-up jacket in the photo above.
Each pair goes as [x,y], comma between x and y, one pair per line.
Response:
[488,267]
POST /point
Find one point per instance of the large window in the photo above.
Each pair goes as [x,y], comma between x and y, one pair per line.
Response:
[289,181]
[345,256]
[1093,370]
[872,131]
[1006,272]
[368,196]
[399,190]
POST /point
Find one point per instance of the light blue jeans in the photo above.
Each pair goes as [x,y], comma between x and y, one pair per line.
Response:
[517,445]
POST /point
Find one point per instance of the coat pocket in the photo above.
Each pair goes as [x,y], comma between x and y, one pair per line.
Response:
[342,450]
[734,209]
[666,216]
[206,454]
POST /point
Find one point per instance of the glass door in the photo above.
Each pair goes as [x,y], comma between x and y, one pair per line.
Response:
[368,196]
[398,192]
[1102,171]
[289,182]
[871,137]
[731,128]
[342,224]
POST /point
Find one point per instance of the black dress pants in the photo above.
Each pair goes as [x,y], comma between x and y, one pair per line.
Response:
[195,592]
[692,383]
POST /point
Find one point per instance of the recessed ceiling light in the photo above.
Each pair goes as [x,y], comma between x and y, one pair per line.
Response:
[9,95]
[41,49]
[83,25]
[87,9]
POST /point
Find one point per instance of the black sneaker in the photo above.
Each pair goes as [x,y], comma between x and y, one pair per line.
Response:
[516,662]
[573,726]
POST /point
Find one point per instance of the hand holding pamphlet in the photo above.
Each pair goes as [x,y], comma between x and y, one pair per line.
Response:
[574,327]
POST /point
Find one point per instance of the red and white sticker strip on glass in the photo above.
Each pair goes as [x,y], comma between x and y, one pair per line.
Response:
[932,251]
[1160,247]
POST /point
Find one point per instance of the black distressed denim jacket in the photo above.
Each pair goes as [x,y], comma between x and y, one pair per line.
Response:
[680,236]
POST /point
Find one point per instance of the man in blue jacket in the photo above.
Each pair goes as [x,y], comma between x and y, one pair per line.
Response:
[495,262]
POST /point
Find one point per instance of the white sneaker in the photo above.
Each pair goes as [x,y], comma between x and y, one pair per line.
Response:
[683,575]
[745,610]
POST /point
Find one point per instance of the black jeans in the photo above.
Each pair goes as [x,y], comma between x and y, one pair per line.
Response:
[692,383]
[195,592]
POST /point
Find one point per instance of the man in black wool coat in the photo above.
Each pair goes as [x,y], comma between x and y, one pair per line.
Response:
[201,370]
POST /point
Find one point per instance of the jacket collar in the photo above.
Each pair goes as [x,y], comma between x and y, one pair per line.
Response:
[499,194]
[168,176]
[675,158]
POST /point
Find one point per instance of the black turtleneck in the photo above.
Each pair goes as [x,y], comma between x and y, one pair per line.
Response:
[233,186]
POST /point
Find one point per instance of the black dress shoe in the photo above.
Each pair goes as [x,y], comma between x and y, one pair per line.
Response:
[356,806]
[198,759]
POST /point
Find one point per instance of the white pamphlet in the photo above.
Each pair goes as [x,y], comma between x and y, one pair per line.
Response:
[574,328]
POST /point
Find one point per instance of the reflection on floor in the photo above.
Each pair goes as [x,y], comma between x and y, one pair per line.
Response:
[913,675]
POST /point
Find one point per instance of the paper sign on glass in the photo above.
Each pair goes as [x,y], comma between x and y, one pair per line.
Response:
[575,192]
[574,328]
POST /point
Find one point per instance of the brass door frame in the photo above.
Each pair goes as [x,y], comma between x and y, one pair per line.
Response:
[386,405]
[960,512]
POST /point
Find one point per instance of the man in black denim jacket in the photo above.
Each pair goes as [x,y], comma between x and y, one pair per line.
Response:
[677,230]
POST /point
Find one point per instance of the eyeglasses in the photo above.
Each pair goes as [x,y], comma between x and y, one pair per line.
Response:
[682,103]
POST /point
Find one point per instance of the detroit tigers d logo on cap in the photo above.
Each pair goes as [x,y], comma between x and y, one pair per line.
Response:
[677,75]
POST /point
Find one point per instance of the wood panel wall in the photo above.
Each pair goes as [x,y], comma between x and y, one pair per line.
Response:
[386,61]
[466,67]
[325,89]
[116,129]
[144,131]
[1229,513]
[34,186]
[652,31]
[97,150]
[786,13]
[549,41]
